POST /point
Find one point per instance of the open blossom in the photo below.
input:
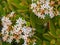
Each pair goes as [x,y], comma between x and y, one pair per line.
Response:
[21,21]
[10,39]
[11,14]
[33,5]
[18,31]
[41,8]
[6,21]
[26,30]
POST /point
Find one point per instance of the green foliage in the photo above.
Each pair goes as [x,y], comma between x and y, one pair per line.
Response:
[44,35]
[5,43]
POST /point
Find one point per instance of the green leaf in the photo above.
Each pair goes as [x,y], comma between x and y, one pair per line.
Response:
[0,42]
[58,41]
[47,37]
[46,43]
[58,32]
[38,41]
[40,29]
[33,20]
[52,41]
[21,41]
[5,43]
[27,23]
[52,28]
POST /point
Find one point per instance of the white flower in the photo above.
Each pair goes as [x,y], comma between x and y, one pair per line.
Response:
[10,39]
[42,1]
[17,28]
[51,14]
[47,6]
[41,15]
[6,21]
[16,31]
[12,13]
[25,43]
[33,5]
[25,37]
[5,37]
[34,10]
[21,21]
[17,40]
[4,30]
[46,12]
[26,30]
[11,32]
[42,5]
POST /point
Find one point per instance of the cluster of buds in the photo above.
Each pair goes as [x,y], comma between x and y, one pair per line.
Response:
[19,31]
[41,8]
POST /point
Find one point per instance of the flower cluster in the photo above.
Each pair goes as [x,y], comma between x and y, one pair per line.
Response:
[42,8]
[17,32]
